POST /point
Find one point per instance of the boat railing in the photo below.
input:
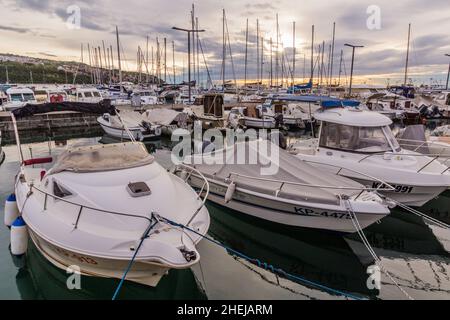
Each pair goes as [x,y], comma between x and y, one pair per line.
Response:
[283,183]
[435,158]
[204,190]
[381,182]
[82,208]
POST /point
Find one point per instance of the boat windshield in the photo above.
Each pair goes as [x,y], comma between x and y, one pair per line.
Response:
[16,97]
[358,139]
[28,97]
[101,158]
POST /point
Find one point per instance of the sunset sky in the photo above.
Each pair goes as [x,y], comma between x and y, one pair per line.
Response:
[38,28]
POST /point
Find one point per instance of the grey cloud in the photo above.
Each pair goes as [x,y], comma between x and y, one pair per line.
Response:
[14,29]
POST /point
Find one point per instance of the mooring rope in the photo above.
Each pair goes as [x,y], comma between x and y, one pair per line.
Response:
[130,264]
[264,265]
[420,214]
[369,248]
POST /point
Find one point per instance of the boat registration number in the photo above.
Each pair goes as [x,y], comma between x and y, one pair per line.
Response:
[82,259]
[398,188]
[325,214]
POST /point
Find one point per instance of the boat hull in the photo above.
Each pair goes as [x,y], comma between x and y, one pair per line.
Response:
[138,134]
[260,123]
[331,217]
[141,272]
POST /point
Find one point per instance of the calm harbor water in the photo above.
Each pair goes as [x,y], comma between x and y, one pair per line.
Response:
[414,253]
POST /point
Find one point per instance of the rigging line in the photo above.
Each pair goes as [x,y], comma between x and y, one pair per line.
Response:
[206,65]
[366,243]
[261,264]
[231,55]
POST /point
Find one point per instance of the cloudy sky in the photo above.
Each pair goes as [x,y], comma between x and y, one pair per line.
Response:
[39,28]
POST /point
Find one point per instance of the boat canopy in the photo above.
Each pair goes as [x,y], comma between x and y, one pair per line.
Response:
[28,110]
[101,158]
[353,117]
[165,117]
[300,179]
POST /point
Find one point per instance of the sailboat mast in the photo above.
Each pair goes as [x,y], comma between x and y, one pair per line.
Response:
[165,60]
[277,61]
[271,63]
[257,52]
[407,56]
[173,62]
[246,55]
[224,51]
[293,54]
[332,53]
[312,57]
[118,57]
[340,67]
[146,61]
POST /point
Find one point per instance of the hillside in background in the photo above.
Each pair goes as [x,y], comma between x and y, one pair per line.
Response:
[27,70]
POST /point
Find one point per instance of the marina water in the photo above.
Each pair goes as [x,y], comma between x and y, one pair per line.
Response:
[415,253]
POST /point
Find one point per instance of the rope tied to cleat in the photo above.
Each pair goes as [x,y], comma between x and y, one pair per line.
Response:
[264,265]
[130,264]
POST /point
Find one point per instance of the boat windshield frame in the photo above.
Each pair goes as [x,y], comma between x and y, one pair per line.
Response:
[391,143]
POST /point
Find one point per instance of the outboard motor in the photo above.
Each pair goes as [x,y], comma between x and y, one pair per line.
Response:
[279,120]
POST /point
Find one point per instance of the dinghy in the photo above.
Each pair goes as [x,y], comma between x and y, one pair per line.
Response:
[353,139]
[297,195]
[138,125]
[100,207]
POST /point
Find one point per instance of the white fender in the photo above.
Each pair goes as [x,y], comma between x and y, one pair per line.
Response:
[19,237]
[230,192]
[11,210]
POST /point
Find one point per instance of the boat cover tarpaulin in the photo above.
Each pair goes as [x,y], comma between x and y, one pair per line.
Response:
[289,169]
[28,110]
[99,158]
[164,117]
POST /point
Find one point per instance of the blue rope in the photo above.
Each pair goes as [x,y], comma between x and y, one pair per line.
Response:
[265,265]
[130,264]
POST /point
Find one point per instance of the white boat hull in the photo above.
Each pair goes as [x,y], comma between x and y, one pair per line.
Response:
[138,134]
[326,217]
[259,123]
[141,272]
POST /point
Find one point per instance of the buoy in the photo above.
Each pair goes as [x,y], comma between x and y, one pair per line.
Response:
[11,210]
[19,237]
[230,192]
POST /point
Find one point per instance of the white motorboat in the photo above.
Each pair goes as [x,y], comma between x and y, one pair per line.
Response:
[146,96]
[18,97]
[352,139]
[169,120]
[88,95]
[259,117]
[100,207]
[134,122]
[296,195]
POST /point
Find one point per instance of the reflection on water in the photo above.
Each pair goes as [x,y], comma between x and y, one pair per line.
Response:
[416,254]
[41,280]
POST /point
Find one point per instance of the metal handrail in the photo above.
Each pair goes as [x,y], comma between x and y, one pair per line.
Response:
[390,188]
[436,157]
[305,184]
[83,207]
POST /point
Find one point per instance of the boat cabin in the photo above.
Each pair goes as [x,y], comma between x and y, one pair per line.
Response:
[356,131]
[89,95]
[20,95]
